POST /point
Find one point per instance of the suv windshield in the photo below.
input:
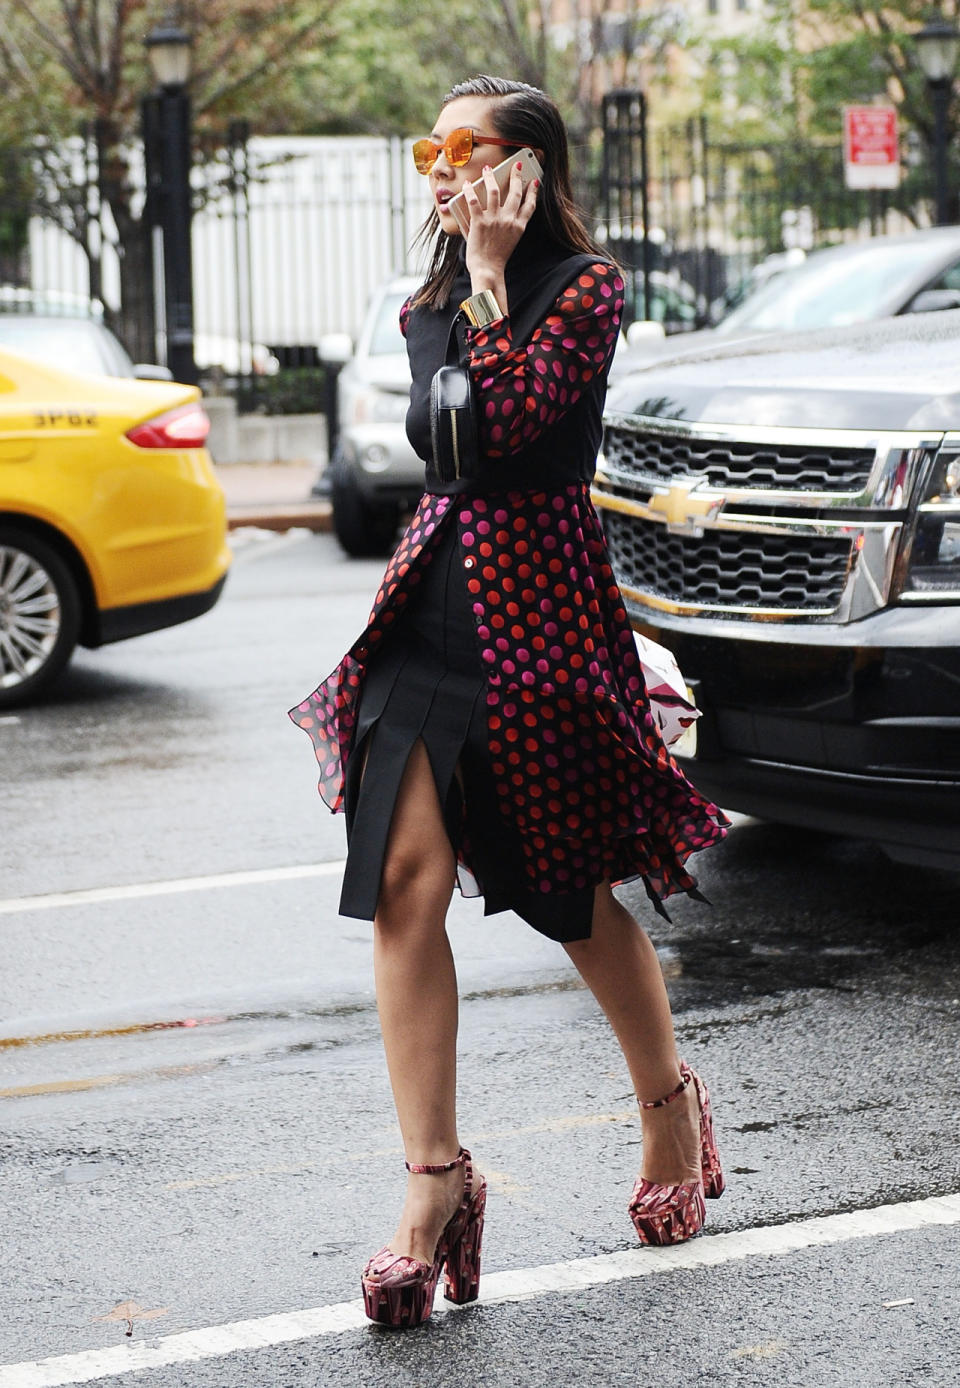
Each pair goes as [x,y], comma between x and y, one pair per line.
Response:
[848,286]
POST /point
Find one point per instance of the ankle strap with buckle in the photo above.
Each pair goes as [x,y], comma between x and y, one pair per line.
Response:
[419,1169]
[686,1075]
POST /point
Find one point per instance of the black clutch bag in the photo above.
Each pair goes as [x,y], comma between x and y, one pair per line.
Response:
[453,417]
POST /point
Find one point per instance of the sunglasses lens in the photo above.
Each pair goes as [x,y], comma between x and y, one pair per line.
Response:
[459,147]
[424,155]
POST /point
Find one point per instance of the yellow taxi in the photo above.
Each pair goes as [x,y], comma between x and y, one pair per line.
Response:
[112,522]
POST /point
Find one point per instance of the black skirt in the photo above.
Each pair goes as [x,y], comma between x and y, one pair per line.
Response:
[427,683]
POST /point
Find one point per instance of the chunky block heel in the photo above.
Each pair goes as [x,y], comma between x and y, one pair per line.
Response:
[462,1276]
[399,1292]
[672,1214]
[714,1183]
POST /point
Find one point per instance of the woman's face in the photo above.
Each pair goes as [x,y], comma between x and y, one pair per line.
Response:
[466,112]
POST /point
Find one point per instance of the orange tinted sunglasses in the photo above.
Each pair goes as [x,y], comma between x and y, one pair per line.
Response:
[458,148]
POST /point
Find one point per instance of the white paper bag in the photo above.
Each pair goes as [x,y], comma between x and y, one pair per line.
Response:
[666,690]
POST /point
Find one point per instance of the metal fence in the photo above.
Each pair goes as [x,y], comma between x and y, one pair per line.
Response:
[292,234]
[701,213]
[292,243]
[290,237]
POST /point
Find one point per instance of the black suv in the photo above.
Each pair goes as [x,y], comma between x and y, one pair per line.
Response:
[785,517]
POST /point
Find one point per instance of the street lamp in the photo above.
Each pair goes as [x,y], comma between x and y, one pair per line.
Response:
[166,145]
[938,47]
[168,48]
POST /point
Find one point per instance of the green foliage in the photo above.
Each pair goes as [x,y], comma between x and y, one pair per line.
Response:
[15,195]
[294,391]
[813,57]
[369,78]
[390,61]
[848,72]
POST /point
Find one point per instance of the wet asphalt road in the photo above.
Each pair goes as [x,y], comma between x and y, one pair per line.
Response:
[196,1127]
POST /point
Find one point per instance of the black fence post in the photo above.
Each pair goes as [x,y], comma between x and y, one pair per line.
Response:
[238,156]
[169,210]
[625,183]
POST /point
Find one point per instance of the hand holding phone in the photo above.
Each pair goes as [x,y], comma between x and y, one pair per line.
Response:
[529,169]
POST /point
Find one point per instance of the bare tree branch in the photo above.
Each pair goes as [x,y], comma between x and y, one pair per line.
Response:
[95,37]
[48,37]
[80,52]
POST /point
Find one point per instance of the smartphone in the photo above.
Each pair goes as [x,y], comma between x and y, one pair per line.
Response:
[530,168]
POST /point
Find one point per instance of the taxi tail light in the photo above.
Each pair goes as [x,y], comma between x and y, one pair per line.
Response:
[185,427]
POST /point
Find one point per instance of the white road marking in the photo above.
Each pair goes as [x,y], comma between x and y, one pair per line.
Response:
[91,895]
[522,1284]
[9,719]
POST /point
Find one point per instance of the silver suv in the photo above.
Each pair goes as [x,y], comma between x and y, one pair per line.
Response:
[375,476]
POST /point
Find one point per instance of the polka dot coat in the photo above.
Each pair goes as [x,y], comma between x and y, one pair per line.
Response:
[581,773]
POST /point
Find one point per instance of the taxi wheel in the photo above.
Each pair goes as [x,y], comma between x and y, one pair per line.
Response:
[39,615]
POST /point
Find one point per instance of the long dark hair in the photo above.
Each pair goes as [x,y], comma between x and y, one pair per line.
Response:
[529,117]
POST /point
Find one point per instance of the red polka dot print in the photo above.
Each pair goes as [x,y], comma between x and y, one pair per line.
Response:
[581,772]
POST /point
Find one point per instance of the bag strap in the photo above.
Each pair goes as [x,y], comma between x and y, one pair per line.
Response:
[527,315]
[456,349]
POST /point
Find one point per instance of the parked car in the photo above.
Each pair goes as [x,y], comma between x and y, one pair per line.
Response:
[915,273]
[673,302]
[755,278]
[375,476]
[112,522]
[69,331]
[784,516]
[224,358]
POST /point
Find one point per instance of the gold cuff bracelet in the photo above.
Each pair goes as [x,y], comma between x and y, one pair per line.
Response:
[482,308]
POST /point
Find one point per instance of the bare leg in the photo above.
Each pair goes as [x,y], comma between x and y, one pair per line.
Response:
[417,1002]
[620,967]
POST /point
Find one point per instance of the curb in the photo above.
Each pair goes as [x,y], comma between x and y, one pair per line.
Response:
[313,515]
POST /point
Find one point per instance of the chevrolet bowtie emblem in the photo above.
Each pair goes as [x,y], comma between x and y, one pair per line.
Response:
[683,511]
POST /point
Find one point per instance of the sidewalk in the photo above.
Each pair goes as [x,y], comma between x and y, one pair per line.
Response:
[273,496]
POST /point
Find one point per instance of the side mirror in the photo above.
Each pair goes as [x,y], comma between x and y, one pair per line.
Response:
[335,349]
[935,300]
[150,371]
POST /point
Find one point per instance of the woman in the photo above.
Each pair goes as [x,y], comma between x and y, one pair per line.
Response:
[490,726]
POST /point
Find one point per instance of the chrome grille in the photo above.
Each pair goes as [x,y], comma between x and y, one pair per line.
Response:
[726,463]
[729,569]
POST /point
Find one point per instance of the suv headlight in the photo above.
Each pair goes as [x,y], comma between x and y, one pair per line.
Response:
[373,406]
[934,569]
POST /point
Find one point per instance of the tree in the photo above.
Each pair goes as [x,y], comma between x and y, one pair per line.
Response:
[367,81]
[310,66]
[812,57]
[67,60]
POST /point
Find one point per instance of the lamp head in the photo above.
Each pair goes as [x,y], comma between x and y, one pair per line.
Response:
[938,47]
[168,48]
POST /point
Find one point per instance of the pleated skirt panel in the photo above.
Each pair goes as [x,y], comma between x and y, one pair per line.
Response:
[426,683]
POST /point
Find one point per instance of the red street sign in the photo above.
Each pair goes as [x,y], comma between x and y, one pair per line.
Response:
[871,151]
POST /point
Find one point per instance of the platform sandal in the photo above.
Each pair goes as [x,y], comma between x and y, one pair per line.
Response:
[671,1214]
[398,1291]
